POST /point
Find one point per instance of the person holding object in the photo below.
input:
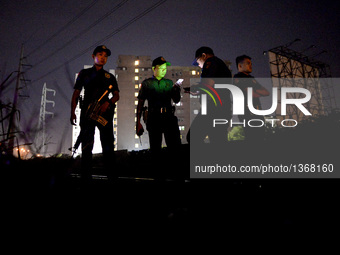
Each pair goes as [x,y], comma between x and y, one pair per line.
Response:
[97,110]
[159,92]
[213,70]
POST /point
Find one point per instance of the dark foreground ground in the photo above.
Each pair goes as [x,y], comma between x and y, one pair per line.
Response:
[158,193]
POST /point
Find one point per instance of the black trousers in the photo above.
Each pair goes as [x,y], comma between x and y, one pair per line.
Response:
[202,126]
[163,123]
[107,143]
[253,134]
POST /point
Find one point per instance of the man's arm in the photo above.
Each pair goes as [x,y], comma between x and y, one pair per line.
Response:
[194,89]
[112,101]
[139,126]
[176,93]
[260,92]
[74,102]
[115,97]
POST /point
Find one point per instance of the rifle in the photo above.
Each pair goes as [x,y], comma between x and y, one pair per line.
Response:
[92,113]
[93,110]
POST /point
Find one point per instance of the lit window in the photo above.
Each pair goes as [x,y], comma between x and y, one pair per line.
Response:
[193,72]
[136,136]
[136,70]
[136,62]
[136,78]
[136,145]
[136,86]
[136,102]
[136,94]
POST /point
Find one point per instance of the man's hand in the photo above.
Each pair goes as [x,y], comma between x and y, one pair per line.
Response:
[73,119]
[139,129]
[104,107]
[187,90]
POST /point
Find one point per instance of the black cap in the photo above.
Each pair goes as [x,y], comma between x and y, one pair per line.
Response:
[200,52]
[102,48]
[160,61]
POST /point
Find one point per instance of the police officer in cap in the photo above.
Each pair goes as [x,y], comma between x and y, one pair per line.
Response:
[100,87]
[160,93]
[214,70]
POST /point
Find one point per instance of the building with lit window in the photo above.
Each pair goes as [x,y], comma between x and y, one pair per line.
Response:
[130,73]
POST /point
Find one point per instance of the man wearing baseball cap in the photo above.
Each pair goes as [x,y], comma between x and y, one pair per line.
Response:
[159,92]
[97,110]
[213,70]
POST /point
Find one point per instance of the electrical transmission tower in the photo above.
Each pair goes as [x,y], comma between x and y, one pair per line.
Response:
[41,134]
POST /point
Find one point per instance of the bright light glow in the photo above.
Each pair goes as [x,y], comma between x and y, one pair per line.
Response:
[136,70]
[136,62]
[136,78]
[193,72]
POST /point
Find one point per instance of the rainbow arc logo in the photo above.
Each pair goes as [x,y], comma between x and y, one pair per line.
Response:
[210,93]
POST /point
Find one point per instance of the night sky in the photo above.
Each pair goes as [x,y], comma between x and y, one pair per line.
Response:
[59,37]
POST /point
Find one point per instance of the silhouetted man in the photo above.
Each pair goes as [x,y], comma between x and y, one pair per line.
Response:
[213,69]
[97,109]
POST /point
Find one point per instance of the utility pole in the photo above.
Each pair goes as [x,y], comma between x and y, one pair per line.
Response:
[41,134]
[12,126]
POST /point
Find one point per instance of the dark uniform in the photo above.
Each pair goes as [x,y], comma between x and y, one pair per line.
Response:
[202,126]
[215,68]
[95,84]
[161,118]
[244,81]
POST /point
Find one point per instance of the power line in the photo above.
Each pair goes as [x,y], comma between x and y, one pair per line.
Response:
[116,31]
[81,33]
[64,27]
